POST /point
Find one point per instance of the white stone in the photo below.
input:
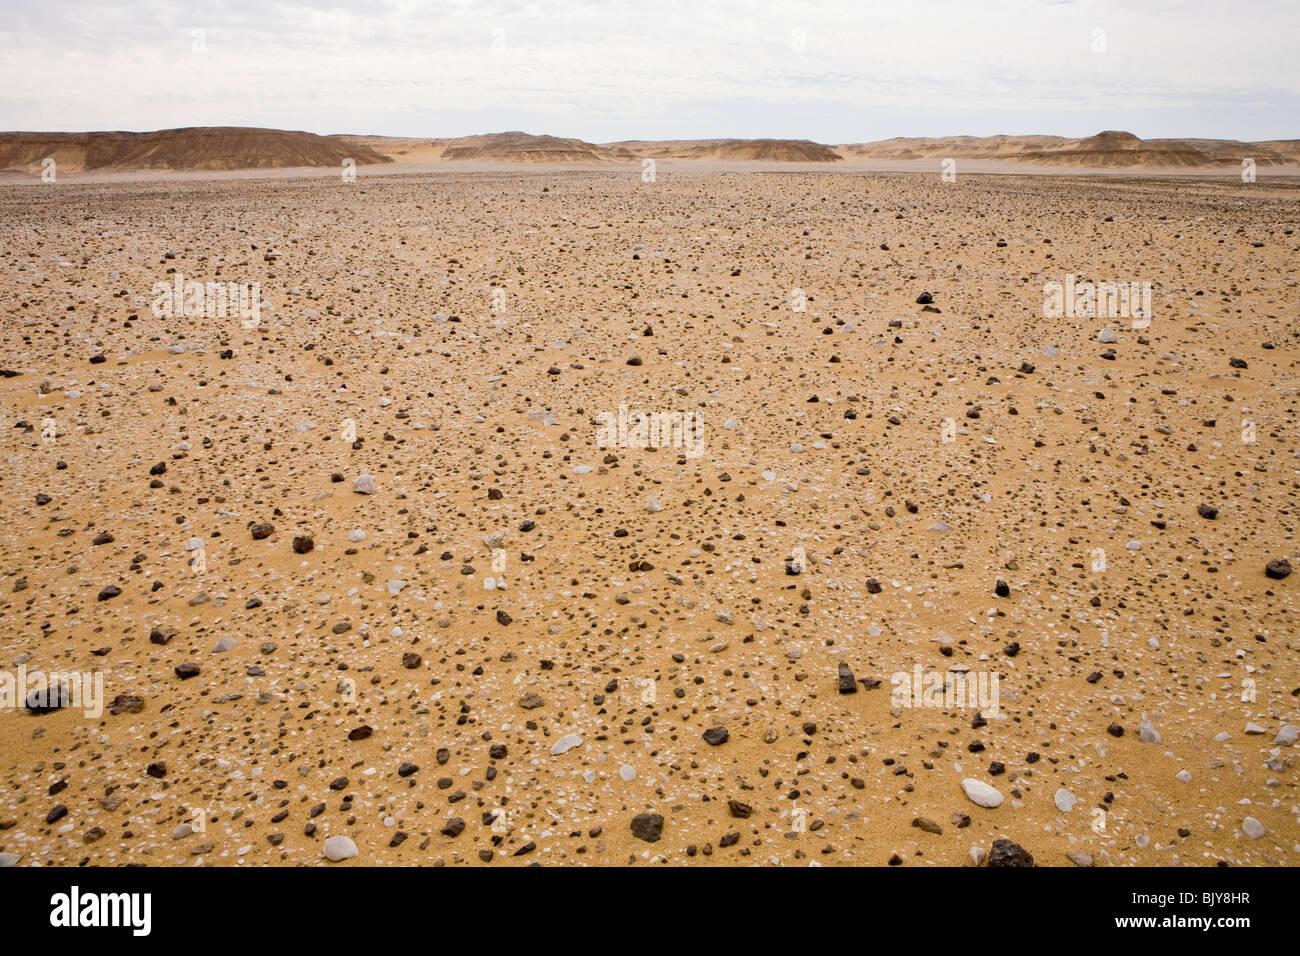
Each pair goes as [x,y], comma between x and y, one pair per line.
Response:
[1287,735]
[339,848]
[565,744]
[1107,336]
[652,504]
[356,536]
[1253,728]
[395,586]
[1064,800]
[1252,828]
[1183,776]
[626,772]
[981,793]
[1148,734]
[364,485]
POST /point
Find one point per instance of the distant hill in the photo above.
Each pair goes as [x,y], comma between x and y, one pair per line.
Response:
[517,147]
[1110,149]
[198,148]
[511,147]
[235,148]
[733,150]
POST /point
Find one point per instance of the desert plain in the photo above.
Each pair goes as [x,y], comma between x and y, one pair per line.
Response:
[371,567]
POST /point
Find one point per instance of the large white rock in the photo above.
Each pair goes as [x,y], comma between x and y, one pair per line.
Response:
[339,848]
[981,793]
[1287,735]
[364,485]
[1064,800]
[565,744]
[1252,828]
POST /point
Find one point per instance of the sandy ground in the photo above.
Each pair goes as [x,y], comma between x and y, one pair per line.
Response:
[381,650]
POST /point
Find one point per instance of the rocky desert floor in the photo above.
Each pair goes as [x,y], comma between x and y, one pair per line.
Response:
[300,631]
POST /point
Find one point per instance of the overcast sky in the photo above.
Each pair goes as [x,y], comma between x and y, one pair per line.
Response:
[603,70]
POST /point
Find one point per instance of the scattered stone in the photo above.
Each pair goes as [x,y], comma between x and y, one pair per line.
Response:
[1007,853]
[565,744]
[648,827]
[1148,734]
[49,698]
[338,848]
[1278,568]
[981,793]
[847,683]
[125,704]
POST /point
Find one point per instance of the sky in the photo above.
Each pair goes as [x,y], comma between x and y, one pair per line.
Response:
[842,71]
